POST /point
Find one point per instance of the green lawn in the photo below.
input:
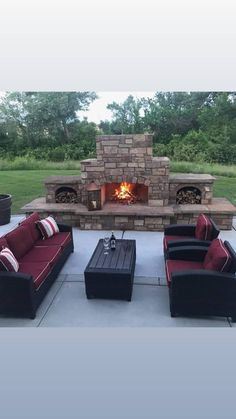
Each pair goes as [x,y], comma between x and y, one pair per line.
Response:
[26,185]
[225,187]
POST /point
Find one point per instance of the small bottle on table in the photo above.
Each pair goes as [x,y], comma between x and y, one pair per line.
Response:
[112,241]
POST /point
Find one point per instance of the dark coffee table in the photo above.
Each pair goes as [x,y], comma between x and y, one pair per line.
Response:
[111,276]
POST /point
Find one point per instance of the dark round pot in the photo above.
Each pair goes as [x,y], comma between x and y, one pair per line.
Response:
[5,209]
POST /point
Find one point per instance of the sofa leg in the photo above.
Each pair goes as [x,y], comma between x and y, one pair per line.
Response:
[173,314]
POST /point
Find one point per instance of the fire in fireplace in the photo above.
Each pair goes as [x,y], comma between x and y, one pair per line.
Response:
[126,193]
[188,195]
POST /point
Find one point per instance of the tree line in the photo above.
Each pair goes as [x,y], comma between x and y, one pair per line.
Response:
[192,126]
[45,125]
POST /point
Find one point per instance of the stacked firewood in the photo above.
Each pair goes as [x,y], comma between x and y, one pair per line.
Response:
[188,196]
[66,197]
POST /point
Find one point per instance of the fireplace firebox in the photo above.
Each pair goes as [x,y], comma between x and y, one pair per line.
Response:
[126,193]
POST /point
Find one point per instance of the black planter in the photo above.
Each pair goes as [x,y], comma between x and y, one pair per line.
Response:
[5,209]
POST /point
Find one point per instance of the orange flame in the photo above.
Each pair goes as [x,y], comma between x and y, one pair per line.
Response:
[124,191]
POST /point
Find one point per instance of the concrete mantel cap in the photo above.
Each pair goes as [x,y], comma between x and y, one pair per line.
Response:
[191,178]
[61,180]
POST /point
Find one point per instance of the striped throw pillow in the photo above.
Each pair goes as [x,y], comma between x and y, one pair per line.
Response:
[8,261]
[48,227]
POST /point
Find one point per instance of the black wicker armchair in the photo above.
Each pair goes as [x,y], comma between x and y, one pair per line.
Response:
[200,234]
[202,283]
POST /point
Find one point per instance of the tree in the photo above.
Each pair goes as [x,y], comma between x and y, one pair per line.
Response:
[127,117]
[43,117]
[173,113]
[219,119]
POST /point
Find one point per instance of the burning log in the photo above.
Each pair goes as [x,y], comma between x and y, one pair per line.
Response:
[66,197]
[188,196]
[124,195]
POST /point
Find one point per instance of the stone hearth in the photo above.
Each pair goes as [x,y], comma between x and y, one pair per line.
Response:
[128,158]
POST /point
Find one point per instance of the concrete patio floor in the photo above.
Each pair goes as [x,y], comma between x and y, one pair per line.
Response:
[66,304]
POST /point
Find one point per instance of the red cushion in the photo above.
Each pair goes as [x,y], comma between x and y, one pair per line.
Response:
[60,239]
[217,258]
[49,254]
[19,241]
[31,223]
[169,238]
[203,228]
[3,243]
[180,265]
[39,271]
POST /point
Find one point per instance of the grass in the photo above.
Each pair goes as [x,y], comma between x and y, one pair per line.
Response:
[25,163]
[213,169]
[25,185]
[225,187]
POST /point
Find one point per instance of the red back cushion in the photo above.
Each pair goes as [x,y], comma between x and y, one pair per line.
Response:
[20,241]
[203,228]
[217,258]
[3,243]
[31,223]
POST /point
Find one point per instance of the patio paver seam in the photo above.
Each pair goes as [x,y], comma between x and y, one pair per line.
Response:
[135,283]
[50,304]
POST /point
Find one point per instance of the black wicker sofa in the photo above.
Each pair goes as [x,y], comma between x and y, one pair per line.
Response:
[39,260]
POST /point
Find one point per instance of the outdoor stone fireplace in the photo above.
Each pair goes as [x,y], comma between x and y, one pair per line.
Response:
[125,187]
[127,159]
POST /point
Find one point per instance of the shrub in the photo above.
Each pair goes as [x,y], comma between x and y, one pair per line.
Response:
[57,154]
[221,153]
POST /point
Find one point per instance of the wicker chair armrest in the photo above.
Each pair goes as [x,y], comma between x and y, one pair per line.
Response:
[180,230]
[193,253]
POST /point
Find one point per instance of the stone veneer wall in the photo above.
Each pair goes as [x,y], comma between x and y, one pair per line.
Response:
[92,221]
[223,221]
[128,158]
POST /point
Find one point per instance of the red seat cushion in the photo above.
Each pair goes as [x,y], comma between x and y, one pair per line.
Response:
[169,238]
[49,254]
[31,223]
[3,243]
[39,271]
[19,241]
[60,239]
[217,258]
[203,228]
[180,265]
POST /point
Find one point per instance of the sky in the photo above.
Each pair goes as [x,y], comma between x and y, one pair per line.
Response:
[97,110]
